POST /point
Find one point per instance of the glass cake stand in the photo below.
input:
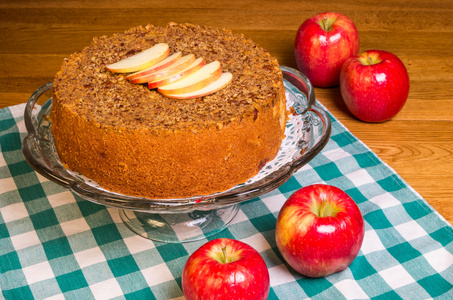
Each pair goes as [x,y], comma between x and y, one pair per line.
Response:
[186,219]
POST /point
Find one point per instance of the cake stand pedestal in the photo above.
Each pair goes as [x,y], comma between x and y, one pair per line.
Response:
[179,228]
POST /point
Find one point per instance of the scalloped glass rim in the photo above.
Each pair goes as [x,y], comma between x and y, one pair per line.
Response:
[313,135]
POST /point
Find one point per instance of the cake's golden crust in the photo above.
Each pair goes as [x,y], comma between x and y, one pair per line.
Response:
[135,141]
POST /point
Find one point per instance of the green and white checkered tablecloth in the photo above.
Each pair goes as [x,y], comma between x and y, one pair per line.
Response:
[55,245]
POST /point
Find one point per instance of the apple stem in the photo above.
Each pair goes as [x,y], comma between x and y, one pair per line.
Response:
[322,208]
[370,60]
[225,257]
[324,22]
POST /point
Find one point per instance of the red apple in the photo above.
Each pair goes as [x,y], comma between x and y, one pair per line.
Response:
[322,45]
[225,269]
[319,230]
[374,85]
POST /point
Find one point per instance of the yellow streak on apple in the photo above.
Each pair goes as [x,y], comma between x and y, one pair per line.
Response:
[201,269]
[291,217]
[225,254]
[369,59]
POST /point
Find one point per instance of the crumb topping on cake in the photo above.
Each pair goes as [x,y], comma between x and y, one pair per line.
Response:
[119,133]
[84,83]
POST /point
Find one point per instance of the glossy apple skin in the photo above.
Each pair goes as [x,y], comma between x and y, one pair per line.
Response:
[319,246]
[204,277]
[320,53]
[374,93]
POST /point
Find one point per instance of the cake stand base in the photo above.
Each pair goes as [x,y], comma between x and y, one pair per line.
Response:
[179,227]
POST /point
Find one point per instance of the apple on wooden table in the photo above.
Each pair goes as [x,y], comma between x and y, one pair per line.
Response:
[322,44]
[374,85]
[319,230]
[141,60]
[225,269]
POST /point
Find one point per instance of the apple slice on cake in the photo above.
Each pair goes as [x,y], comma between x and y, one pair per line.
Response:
[195,81]
[160,65]
[174,76]
[174,68]
[141,60]
[213,87]
[196,65]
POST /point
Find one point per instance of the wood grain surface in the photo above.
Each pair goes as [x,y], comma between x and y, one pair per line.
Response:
[418,143]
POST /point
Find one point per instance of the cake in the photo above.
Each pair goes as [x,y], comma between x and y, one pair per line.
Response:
[133,140]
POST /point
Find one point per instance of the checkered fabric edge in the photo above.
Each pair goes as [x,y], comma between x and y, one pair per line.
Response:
[55,245]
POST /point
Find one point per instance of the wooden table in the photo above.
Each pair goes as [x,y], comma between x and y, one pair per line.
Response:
[418,143]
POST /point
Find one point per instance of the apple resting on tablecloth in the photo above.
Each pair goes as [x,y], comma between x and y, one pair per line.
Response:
[225,269]
[319,230]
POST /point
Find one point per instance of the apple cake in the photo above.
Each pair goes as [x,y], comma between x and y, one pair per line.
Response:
[133,140]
